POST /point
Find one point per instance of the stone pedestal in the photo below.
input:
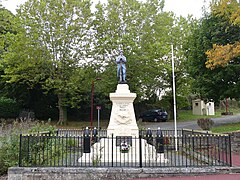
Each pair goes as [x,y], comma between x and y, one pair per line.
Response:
[122,119]
[122,127]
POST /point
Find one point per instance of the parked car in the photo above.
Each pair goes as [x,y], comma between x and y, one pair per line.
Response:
[155,115]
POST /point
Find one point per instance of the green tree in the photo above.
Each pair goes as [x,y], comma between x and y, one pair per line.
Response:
[220,82]
[145,32]
[222,54]
[51,47]
[6,18]
[6,26]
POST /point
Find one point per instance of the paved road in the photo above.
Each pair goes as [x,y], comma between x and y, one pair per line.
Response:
[191,124]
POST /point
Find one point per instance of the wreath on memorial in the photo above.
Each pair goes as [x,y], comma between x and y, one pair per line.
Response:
[124,147]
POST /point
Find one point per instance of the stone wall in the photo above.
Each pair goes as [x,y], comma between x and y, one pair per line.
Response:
[235,138]
[61,173]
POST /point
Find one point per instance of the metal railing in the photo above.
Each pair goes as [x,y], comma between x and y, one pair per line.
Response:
[103,132]
[78,132]
[81,150]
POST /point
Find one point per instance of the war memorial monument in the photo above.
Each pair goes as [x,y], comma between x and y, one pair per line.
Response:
[123,129]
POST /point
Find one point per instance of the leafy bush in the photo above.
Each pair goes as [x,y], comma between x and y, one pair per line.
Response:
[42,150]
[205,123]
[9,141]
[8,108]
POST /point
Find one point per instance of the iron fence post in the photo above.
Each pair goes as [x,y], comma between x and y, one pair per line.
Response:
[86,141]
[66,137]
[28,149]
[20,152]
[140,151]
[159,141]
[230,150]
[95,135]
[112,150]
[149,136]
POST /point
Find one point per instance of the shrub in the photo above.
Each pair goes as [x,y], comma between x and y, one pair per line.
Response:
[8,108]
[205,123]
[42,151]
[9,141]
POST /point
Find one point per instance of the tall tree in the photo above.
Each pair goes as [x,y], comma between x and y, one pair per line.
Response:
[56,39]
[6,26]
[145,32]
[6,18]
[219,82]
[51,46]
[222,54]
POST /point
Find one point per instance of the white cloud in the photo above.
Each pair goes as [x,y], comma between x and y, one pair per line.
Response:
[12,4]
[186,7]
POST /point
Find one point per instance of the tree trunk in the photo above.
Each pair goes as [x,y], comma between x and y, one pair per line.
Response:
[62,110]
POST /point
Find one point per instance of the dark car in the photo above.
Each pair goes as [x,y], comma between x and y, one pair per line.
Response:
[155,115]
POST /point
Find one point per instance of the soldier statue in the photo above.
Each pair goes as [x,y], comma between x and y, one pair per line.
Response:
[121,67]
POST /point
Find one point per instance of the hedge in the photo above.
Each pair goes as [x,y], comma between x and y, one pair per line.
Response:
[8,108]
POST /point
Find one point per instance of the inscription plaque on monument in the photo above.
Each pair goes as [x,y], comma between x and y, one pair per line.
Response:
[126,139]
[123,106]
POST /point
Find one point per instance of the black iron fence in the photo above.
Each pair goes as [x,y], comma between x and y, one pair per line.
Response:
[103,132]
[78,149]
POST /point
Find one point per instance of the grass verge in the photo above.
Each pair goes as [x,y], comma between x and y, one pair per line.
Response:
[186,115]
[226,128]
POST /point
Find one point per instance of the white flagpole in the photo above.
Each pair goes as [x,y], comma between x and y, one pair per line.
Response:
[174,102]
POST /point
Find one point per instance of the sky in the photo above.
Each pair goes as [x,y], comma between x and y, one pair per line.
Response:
[179,7]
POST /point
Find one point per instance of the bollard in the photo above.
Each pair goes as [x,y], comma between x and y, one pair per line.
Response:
[95,135]
[86,141]
[159,141]
[149,136]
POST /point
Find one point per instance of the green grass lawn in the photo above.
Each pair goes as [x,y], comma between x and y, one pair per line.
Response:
[226,128]
[186,115]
